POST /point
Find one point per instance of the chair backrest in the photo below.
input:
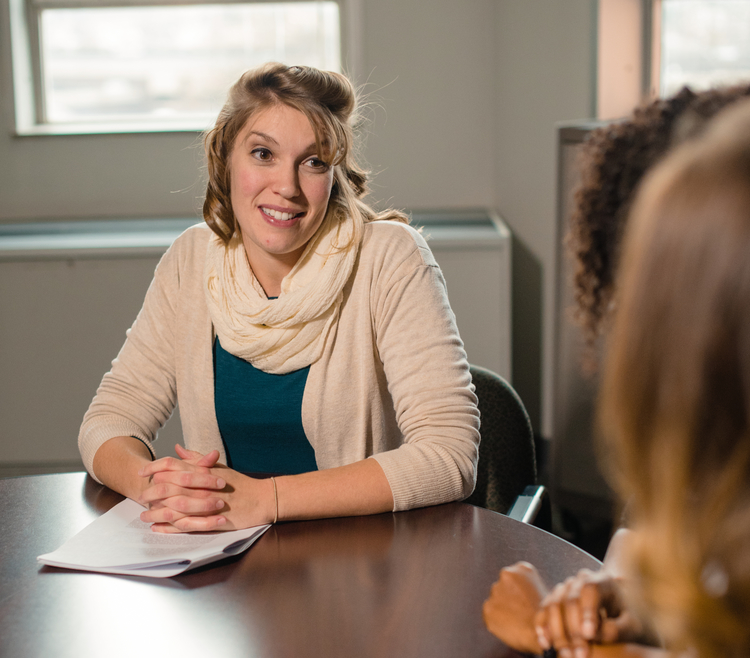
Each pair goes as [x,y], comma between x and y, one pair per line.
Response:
[507,459]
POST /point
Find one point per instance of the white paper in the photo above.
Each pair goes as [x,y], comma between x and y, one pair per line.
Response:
[119,542]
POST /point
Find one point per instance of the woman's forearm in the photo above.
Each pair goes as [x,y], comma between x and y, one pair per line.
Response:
[117,462]
[351,490]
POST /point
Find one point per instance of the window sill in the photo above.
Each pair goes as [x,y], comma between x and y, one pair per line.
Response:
[113,128]
[90,238]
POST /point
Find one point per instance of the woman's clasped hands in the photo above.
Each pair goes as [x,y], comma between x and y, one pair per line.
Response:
[583,611]
[196,493]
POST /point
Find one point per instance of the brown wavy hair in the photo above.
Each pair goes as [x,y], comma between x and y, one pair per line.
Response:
[675,397]
[328,100]
[613,162]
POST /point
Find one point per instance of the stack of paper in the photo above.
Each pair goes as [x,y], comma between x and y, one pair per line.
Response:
[119,542]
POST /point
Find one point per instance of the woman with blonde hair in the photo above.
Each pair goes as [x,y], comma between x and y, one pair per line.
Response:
[306,337]
[675,404]
[675,408]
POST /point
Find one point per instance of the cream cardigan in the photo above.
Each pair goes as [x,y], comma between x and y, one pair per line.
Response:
[393,382]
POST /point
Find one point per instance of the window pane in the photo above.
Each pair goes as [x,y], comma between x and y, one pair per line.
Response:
[704,43]
[172,63]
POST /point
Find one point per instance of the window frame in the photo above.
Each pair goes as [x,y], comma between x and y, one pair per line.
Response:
[27,88]
[651,46]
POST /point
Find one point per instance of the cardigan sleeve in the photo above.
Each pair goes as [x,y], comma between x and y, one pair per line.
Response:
[429,381]
[138,395]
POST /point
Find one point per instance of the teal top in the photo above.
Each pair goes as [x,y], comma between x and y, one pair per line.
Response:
[260,417]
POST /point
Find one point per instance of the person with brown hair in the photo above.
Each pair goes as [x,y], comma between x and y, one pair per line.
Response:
[614,159]
[675,406]
[305,336]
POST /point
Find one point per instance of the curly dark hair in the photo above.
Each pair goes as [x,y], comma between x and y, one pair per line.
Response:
[613,162]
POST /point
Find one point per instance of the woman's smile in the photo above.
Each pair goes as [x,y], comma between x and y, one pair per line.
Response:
[280,216]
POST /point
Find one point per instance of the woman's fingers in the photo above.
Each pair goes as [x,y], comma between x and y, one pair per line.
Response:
[179,472]
[171,521]
[184,453]
[561,619]
[193,524]
[583,610]
[541,628]
[598,599]
[590,603]
[580,609]
[163,491]
[169,464]
[573,620]
[209,460]
[170,508]
[558,630]
[549,621]
[189,480]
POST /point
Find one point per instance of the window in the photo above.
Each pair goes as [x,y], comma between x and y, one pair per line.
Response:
[649,48]
[704,43]
[97,65]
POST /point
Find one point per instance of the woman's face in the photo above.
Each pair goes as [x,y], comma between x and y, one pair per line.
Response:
[279,188]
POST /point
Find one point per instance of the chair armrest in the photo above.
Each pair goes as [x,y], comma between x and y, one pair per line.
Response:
[526,507]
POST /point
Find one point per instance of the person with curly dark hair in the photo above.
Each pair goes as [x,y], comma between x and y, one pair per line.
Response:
[614,160]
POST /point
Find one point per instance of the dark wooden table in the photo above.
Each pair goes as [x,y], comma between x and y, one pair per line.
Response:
[391,585]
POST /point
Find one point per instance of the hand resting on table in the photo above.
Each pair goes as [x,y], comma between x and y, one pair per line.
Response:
[577,618]
[197,493]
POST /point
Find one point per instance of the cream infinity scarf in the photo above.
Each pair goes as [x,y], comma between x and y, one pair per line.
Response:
[289,333]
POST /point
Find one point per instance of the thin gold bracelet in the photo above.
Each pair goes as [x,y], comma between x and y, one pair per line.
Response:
[275,501]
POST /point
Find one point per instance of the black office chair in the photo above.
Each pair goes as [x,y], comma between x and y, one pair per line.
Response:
[506,473]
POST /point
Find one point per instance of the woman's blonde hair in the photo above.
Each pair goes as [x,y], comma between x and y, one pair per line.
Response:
[675,397]
[328,100]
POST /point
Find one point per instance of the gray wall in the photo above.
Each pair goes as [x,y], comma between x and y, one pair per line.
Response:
[464,100]
[545,54]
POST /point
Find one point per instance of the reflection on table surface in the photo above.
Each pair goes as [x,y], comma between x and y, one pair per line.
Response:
[395,585]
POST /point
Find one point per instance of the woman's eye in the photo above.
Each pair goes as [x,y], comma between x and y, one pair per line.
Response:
[261,154]
[317,163]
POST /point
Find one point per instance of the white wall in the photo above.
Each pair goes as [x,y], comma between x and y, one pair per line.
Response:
[432,66]
[468,92]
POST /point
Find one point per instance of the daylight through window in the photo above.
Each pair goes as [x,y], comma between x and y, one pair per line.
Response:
[168,64]
[704,43]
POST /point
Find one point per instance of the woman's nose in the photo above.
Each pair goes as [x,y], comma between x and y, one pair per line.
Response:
[287,182]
